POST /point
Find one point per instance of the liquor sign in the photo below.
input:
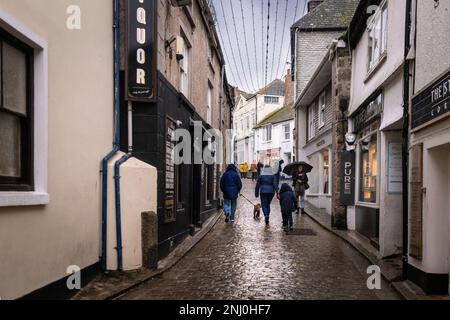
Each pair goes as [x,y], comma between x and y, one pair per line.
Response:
[348,160]
[141,51]
[431,103]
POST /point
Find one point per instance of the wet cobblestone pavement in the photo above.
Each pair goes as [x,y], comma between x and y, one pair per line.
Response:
[248,260]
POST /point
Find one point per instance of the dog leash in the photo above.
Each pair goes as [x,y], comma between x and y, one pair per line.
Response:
[247,199]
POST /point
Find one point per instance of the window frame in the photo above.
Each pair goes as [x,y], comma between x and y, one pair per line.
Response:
[271,100]
[185,68]
[266,130]
[26,181]
[311,123]
[209,104]
[381,17]
[321,109]
[287,132]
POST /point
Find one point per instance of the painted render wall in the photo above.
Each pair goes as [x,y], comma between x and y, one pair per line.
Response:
[432,31]
[363,84]
[38,243]
[432,25]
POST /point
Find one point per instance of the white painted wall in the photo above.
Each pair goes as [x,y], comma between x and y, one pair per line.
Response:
[436,212]
[38,243]
[256,109]
[138,184]
[363,86]
[432,49]
[278,141]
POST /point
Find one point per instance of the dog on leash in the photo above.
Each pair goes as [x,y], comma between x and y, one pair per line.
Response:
[257,211]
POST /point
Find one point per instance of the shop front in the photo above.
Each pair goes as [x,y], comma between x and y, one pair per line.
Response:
[319,155]
[429,201]
[378,176]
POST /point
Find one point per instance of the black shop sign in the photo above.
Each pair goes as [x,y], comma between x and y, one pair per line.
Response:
[431,103]
[348,160]
[141,51]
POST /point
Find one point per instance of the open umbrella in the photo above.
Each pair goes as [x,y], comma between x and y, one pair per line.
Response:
[292,167]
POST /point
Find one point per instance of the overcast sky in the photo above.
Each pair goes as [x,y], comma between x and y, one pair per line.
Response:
[247,68]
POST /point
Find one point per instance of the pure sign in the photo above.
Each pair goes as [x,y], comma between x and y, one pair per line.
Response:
[140,50]
[348,186]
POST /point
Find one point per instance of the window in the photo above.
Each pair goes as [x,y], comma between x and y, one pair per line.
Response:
[311,126]
[326,171]
[369,168]
[271,100]
[207,186]
[184,71]
[209,105]
[248,122]
[267,133]
[287,131]
[16,166]
[322,105]
[377,30]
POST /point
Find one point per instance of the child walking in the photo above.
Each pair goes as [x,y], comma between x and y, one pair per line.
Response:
[289,204]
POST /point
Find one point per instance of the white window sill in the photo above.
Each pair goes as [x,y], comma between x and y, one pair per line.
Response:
[19,199]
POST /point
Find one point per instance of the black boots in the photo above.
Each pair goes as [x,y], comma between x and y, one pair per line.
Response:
[267,221]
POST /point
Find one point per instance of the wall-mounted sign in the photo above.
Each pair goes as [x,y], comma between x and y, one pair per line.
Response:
[432,102]
[348,160]
[395,167]
[368,113]
[141,51]
[170,197]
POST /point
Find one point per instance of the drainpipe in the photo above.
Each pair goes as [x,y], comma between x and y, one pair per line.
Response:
[116,143]
[405,138]
[117,187]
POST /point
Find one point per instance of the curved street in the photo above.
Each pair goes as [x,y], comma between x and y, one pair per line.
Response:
[249,261]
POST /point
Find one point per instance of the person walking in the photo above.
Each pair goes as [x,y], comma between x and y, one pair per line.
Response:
[245,169]
[259,168]
[279,170]
[231,186]
[300,183]
[288,204]
[266,188]
[254,171]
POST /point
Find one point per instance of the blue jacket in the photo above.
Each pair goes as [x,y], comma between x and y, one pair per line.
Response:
[230,183]
[267,184]
[288,201]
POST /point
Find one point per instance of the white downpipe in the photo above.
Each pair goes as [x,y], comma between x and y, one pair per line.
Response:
[130,127]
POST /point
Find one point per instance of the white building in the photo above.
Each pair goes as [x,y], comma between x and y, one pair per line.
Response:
[376,119]
[274,137]
[60,109]
[249,110]
[429,187]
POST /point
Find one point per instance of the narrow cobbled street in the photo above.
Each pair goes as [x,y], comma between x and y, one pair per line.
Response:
[248,260]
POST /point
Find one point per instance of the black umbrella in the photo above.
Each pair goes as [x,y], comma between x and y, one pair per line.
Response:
[292,167]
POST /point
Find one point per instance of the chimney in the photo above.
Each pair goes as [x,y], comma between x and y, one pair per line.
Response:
[312,4]
[289,89]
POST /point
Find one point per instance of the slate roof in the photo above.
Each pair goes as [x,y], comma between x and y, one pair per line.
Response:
[275,88]
[281,115]
[330,14]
